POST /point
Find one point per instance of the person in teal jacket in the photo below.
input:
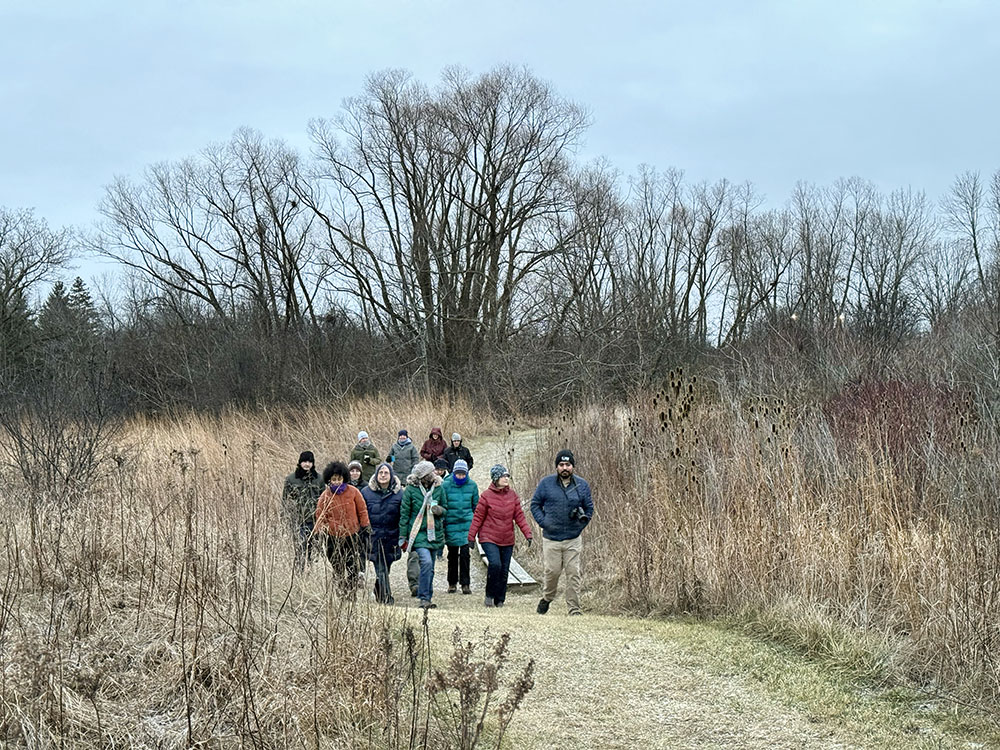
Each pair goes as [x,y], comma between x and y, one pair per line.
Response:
[421,524]
[463,496]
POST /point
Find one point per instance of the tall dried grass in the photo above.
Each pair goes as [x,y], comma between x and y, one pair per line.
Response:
[158,607]
[743,507]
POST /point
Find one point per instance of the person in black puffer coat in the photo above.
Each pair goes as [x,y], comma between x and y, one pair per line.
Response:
[383,496]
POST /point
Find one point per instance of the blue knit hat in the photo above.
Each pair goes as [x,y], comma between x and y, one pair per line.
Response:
[460,465]
[499,470]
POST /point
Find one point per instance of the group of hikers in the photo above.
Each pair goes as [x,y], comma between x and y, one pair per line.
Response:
[418,503]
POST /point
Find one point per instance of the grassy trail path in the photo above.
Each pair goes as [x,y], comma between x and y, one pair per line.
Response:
[614,682]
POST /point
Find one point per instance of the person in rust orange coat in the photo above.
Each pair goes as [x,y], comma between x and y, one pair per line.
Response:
[342,513]
[499,508]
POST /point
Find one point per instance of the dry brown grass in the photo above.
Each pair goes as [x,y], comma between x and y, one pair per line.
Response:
[158,608]
[748,510]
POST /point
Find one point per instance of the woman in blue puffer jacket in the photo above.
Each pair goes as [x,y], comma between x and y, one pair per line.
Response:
[383,496]
[463,496]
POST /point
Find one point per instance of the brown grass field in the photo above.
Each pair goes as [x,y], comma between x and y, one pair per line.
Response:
[157,607]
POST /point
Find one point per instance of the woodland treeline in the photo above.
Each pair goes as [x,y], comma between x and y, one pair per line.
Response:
[448,239]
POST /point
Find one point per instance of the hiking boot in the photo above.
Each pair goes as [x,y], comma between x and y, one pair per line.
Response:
[488,602]
[388,601]
[497,604]
[413,593]
[452,588]
[543,606]
[466,589]
[427,604]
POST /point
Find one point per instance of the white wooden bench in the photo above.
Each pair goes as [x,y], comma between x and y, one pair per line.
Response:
[517,577]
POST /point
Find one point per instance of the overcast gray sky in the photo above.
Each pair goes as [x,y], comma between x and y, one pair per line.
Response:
[902,93]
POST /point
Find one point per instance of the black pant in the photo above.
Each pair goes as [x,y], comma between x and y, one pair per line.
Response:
[342,552]
[496,572]
[458,565]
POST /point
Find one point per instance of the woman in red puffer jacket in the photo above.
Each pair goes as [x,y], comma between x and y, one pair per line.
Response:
[498,510]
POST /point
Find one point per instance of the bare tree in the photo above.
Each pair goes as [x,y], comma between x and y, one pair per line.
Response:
[29,253]
[222,230]
[758,252]
[438,205]
[884,305]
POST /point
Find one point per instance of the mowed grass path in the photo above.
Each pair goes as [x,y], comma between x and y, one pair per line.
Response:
[614,682]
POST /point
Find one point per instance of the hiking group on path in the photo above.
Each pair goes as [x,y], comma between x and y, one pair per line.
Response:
[420,502]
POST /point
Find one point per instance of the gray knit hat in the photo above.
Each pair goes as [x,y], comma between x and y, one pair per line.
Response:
[423,469]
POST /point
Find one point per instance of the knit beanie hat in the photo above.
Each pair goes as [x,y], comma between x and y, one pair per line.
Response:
[362,436]
[499,470]
[460,465]
[403,432]
[441,464]
[353,465]
[455,436]
[565,456]
[423,469]
[306,456]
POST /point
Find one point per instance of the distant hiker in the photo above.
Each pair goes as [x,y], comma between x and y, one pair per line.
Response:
[367,454]
[434,446]
[421,527]
[562,506]
[298,503]
[383,496]
[463,496]
[498,510]
[441,468]
[341,512]
[354,475]
[457,451]
[403,455]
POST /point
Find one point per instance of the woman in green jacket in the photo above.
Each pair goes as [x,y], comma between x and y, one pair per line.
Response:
[421,527]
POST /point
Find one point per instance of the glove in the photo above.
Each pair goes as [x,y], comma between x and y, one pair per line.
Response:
[402,544]
[437,510]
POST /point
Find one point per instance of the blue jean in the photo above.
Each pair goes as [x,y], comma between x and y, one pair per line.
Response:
[498,565]
[425,583]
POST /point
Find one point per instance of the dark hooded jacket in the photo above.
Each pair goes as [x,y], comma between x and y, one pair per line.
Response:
[433,449]
[383,512]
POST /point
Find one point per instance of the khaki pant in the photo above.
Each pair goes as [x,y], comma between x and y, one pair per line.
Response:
[558,557]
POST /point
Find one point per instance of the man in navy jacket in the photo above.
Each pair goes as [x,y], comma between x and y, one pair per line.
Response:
[562,506]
